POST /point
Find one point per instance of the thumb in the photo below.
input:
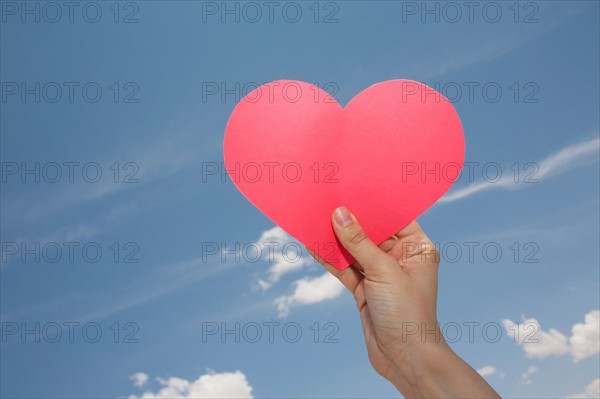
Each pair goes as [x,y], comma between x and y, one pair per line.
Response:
[355,240]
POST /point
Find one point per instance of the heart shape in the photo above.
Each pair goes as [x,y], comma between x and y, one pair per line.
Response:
[387,156]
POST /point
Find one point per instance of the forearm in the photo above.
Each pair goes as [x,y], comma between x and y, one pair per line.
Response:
[435,371]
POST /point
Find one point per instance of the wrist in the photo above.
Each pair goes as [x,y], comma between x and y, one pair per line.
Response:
[420,367]
[435,371]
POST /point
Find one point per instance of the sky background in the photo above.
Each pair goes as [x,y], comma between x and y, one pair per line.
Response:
[156,120]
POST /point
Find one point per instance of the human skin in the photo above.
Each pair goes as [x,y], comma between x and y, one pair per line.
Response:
[395,288]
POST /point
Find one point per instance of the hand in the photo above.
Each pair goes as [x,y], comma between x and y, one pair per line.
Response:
[395,288]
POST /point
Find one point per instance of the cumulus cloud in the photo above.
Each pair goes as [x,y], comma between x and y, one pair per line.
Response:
[487,371]
[139,379]
[526,375]
[591,391]
[284,254]
[308,291]
[585,337]
[537,343]
[559,162]
[211,385]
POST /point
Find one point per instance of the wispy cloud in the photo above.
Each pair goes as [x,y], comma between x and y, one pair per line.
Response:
[71,233]
[90,306]
[94,225]
[485,49]
[485,52]
[149,163]
[180,275]
[555,164]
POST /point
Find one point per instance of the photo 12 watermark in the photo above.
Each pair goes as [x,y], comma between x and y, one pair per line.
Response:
[270,172]
[470,332]
[69,252]
[270,332]
[69,172]
[452,12]
[69,12]
[253,92]
[270,12]
[491,92]
[52,92]
[71,332]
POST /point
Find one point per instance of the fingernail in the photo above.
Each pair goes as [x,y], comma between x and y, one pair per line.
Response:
[342,216]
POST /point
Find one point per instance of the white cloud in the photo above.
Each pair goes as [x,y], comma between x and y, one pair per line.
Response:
[487,371]
[308,291]
[274,234]
[139,379]
[566,156]
[553,165]
[591,391]
[211,385]
[537,343]
[585,337]
[525,377]
[284,254]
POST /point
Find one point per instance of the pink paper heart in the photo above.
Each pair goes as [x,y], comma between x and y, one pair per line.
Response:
[296,154]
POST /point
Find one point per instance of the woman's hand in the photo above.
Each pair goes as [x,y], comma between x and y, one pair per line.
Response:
[395,287]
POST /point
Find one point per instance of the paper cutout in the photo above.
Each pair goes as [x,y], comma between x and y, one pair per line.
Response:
[296,154]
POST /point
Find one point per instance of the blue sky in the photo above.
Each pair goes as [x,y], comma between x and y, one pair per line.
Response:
[155,122]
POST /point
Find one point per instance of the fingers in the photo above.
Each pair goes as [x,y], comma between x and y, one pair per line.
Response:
[388,244]
[414,243]
[411,230]
[355,240]
[350,277]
